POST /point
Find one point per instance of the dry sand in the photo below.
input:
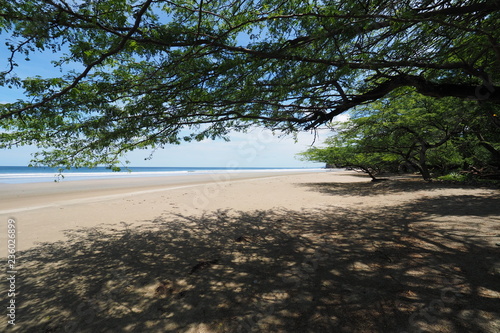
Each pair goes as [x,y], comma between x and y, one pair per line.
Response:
[322,252]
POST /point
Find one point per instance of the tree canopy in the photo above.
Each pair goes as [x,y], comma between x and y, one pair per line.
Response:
[407,130]
[146,71]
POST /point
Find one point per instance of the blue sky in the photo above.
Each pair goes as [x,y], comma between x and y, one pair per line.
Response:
[257,148]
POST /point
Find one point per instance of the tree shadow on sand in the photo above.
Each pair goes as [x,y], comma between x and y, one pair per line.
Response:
[326,270]
[391,185]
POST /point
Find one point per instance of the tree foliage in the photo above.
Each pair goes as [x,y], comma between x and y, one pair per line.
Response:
[410,130]
[145,71]
[345,151]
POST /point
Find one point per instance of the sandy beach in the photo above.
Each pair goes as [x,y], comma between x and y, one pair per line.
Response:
[298,252]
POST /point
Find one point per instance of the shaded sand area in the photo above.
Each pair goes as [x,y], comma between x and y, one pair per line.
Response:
[323,252]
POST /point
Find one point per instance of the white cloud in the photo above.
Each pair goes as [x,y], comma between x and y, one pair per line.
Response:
[257,148]
[343,117]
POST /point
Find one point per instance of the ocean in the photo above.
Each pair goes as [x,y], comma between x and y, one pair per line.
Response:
[24,174]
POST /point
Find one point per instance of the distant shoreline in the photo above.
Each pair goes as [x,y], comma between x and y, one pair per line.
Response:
[24,174]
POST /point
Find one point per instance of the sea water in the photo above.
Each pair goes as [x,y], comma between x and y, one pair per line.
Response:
[24,174]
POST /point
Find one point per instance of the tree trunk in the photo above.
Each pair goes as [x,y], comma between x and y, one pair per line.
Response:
[369,172]
[420,163]
[494,152]
[424,169]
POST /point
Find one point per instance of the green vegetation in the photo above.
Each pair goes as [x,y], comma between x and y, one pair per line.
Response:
[151,73]
[454,177]
[408,131]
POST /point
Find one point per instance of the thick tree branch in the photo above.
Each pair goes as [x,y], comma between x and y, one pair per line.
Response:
[471,92]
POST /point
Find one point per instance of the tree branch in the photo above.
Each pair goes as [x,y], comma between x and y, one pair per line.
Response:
[423,86]
[89,67]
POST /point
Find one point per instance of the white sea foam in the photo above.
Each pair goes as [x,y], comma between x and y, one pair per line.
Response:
[69,176]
